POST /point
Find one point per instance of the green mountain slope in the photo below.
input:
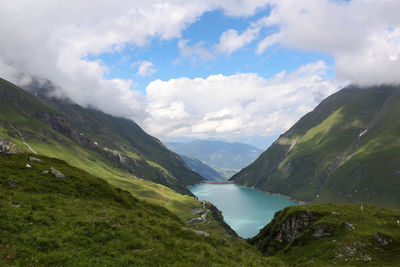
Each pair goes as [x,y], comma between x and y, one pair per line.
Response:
[346,150]
[57,215]
[332,234]
[226,158]
[203,169]
[99,143]
[133,170]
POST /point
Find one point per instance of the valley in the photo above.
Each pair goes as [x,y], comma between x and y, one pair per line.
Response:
[248,133]
[73,177]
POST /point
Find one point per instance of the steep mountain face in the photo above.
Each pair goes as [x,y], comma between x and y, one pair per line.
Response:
[346,150]
[203,169]
[332,234]
[86,138]
[226,158]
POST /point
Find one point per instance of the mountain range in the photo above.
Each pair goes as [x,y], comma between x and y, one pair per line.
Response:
[203,169]
[226,158]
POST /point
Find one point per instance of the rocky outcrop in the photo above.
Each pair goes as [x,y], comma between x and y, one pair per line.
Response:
[322,230]
[285,228]
[6,147]
[58,123]
[33,159]
[200,233]
[56,173]
[293,226]
[382,239]
[130,164]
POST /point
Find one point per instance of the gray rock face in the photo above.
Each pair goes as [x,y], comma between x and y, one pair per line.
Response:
[6,147]
[201,233]
[13,183]
[349,226]
[56,173]
[382,239]
[321,230]
[292,227]
[32,159]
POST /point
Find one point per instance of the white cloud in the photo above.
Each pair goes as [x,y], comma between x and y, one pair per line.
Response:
[363,36]
[194,52]
[146,68]
[51,40]
[230,40]
[268,41]
[237,105]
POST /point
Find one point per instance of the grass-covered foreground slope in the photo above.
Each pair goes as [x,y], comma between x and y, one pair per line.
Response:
[332,234]
[346,150]
[81,220]
[101,144]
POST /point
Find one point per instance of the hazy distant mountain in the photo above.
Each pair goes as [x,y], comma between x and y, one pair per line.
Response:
[225,157]
[203,169]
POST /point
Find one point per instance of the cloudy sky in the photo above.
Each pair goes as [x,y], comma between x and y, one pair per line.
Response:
[238,70]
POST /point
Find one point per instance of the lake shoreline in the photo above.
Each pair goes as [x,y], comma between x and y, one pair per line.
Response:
[245,209]
[282,195]
[252,187]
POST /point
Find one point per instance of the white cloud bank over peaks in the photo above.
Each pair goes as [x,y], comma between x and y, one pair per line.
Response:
[363,36]
[53,40]
[237,105]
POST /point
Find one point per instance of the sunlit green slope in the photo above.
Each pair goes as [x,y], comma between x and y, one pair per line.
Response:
[346,150]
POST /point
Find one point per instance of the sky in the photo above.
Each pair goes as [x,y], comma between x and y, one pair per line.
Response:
[234,70]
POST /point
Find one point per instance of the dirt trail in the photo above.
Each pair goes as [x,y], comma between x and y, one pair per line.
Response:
[23,139]
[163,193]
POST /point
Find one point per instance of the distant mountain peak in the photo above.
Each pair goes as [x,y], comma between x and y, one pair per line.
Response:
[226,158]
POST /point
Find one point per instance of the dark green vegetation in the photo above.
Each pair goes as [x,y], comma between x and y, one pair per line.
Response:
[226,158]
[203,169]
[81,220]
[346,150]
[332,234]
[101,144]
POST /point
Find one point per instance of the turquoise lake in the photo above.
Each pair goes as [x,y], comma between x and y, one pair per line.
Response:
[245,209]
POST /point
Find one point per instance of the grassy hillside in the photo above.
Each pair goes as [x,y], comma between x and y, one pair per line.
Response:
[81,220]
[344,151]
[19,115]
[332,234]
[99,143]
